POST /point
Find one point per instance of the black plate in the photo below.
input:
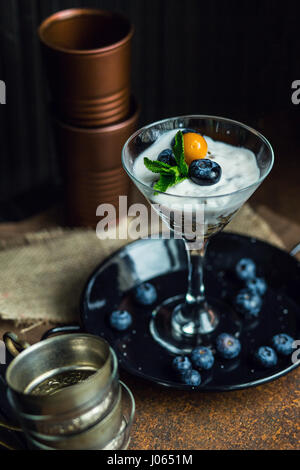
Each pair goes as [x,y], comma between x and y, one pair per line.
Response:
[163,262]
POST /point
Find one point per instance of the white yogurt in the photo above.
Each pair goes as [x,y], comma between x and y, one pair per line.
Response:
[239,170]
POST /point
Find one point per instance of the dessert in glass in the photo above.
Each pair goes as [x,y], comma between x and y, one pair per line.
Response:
[196,171]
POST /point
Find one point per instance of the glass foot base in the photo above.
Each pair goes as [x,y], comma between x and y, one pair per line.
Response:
[169,328]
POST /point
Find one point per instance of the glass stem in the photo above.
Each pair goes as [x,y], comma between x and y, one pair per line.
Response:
[195,317]
[196,290]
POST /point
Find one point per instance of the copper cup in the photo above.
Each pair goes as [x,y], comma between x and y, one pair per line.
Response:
[87,57]
[91,165]
[82,207]
[97,149]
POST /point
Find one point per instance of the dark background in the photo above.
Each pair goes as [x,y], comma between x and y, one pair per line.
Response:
[231,58]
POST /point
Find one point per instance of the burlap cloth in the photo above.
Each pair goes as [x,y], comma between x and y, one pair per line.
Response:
[43,274]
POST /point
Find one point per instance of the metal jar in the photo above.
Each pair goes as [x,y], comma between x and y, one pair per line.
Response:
[64,384]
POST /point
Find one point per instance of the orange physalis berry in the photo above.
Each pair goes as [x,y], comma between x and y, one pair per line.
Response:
[195,147]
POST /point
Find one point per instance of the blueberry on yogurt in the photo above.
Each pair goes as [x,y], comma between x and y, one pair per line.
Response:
[205,172]
[166,156]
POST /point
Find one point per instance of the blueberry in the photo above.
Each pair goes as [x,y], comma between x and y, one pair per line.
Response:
[257,284]
[184,131]
[120,319]
[181,364]
[283,344]
[205,172]
[202,357]
[146,138]
[192,377]
[248,302]
[245,269]
[149,136]
[266,356]
[228,346]
[166,156]
[145,294]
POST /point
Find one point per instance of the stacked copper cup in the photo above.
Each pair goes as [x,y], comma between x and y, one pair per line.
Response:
[87,57]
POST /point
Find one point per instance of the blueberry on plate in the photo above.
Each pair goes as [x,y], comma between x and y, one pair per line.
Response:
[257,284]
[283,344]
[145,294]
[166,156]
[245,269]
[192,377]
[202,357]
[181,364]
[228,346]
[205,172]
[266,356]
[184,131]
[248,302]
[120,320]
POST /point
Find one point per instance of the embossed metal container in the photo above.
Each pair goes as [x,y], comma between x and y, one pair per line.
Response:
[99,434]
[94,438]
[64,384]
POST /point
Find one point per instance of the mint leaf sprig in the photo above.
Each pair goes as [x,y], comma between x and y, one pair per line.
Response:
[178,150]
[170,175]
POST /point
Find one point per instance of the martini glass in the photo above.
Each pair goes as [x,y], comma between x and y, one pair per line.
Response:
[181,322]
